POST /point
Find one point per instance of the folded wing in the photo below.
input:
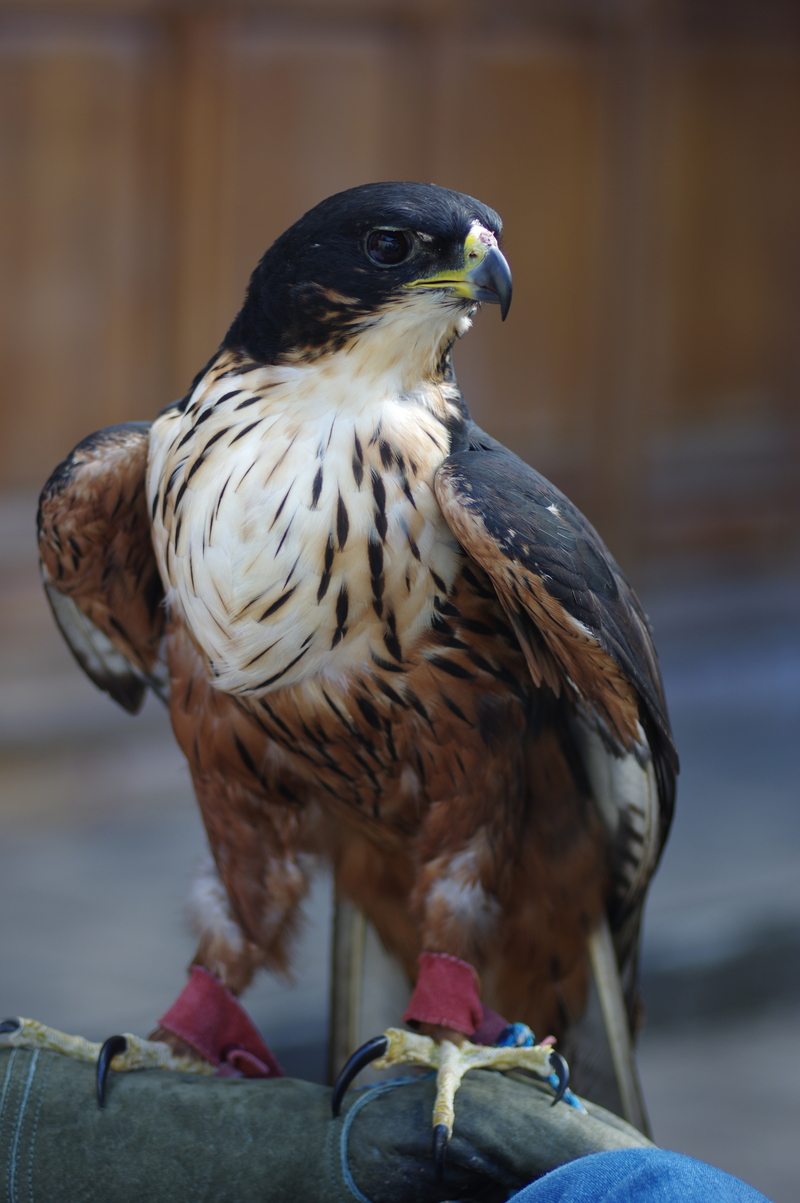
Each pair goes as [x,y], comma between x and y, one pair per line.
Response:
[585,637]
[98,566]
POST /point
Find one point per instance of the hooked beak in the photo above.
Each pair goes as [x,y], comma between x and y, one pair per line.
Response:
[485,276]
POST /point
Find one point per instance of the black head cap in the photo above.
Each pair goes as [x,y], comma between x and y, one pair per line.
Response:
[320,281]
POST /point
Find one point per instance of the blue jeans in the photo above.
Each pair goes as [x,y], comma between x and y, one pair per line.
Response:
[643,1175]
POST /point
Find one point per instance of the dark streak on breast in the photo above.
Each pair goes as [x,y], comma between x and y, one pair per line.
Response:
[316,489]
[390,636]
[245,475]
[447,608]
[407,490]
[261,655]
[325,579]
[276,720]
[500,672]
[476,627]
[282,673]
[416,704]
[375,557]
[342,607]
[280,507]
[455,709]
[276,605]
[181,492]
[246,430]
[420,765]
[280,460]
[475,584]
[221,495]
[214,438]
[283,537]
[379,493]
[341,717]
[291,571]
[358,461]
[198,463]
[387,690]
[342,522]
[387,731]
[482,663]
[246,758]
[172,478]
[369,712]
[385,666]
[204,417]
[451,667]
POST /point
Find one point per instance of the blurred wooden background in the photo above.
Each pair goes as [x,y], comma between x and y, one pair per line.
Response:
[644,157]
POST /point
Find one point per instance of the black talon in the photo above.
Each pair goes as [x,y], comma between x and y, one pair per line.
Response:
[10,1025]
[360,1060]
[561,1070]
[440,1139]
[112,1046]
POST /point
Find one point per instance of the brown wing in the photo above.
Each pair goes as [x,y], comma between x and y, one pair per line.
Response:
[584,636]
[98,565]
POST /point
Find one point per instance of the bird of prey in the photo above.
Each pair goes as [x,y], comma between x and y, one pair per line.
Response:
[384,639]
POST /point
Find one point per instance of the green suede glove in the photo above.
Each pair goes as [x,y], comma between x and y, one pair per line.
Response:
[181,1138]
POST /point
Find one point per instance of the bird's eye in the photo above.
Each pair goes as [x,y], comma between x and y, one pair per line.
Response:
[389,247]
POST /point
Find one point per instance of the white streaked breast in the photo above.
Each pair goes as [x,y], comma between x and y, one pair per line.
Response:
[303,540]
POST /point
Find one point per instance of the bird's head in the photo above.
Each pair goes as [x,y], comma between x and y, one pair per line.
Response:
[397,268]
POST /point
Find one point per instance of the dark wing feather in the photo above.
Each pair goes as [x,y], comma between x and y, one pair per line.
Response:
[584,635]
[98,565]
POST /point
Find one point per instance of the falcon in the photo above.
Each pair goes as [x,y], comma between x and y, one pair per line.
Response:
[383,638]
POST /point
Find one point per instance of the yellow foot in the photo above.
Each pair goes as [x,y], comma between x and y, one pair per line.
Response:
[451,1062]
[120,1053]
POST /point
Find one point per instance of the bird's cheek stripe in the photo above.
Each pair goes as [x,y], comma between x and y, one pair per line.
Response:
[208,1017]
[446,993]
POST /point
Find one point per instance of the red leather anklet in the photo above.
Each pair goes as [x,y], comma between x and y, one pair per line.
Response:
[446,994]
[212,1021]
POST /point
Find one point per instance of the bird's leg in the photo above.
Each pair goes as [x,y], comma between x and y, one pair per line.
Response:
[449,986]
[456,895]
[245,900]
[223,951]
[205,1030]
